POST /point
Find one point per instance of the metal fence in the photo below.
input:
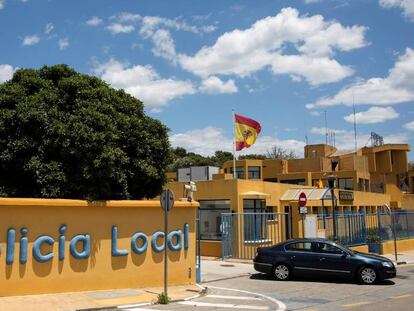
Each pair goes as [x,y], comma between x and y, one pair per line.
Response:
[362,228]
[242,233]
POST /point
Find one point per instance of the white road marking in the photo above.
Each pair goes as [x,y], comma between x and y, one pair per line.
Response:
[222,305]
[282,306]
[233,297]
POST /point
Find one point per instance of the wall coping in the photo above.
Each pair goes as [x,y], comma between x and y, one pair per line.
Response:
[19,202]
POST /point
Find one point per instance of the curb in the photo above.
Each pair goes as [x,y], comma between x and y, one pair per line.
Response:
[200,293]
[227,278]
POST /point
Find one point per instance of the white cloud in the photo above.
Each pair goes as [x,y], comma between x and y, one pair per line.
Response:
[397,87]
[2,2]
[409,126]
[406,5]
[213,85]
[48,28]
[63,43]
[373,115]
[163,44]
[6,72]
[30,40]
[144,83]
[94,21]
[207,140]
[345,140]
[117,28]
[127,17]
[316,70]
[243,52]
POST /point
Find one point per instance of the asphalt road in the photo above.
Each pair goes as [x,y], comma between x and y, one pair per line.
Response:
[262,292]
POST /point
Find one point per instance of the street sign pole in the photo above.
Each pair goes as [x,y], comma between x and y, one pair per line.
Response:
[167,202]
[303,210]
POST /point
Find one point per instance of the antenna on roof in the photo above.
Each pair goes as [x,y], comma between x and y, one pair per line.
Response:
[355,127]
[326,129]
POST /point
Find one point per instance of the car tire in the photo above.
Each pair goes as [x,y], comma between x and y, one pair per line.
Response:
[281,272]
[367,275]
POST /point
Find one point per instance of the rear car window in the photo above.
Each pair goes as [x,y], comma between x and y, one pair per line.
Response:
[299,247]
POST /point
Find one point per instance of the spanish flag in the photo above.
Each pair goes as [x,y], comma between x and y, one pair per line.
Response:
[246,131]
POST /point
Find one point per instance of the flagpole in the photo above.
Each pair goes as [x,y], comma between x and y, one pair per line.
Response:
[234,144]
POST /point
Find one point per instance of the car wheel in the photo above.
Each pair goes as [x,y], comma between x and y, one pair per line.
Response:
[282,272]
[367,275]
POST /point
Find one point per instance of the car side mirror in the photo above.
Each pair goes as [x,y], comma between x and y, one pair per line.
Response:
[344,255]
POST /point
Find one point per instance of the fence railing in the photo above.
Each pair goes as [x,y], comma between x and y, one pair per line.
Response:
[242,233]
[363,228]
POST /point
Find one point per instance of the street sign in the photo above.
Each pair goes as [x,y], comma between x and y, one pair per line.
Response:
[303,210]
[167,200]
[302,199]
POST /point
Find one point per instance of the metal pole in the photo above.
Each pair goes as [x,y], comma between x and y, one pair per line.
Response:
[303,225]
[335,238]
[234,145]
[394,234]
[199,245]
[167,199]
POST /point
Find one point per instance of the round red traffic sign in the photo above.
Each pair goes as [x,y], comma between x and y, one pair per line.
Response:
[302,199]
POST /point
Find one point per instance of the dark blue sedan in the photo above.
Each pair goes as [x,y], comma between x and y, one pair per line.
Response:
[303,257]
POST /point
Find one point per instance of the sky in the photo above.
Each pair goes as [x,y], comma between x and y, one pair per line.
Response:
[285,64]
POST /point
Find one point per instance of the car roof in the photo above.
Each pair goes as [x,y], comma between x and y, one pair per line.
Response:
[309,240]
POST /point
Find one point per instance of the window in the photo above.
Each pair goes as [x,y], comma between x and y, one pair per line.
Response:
[346,183]
[254,172]
[299,247]
[293,181]
[325,248]
[239,172]
[210,218]
[254,220]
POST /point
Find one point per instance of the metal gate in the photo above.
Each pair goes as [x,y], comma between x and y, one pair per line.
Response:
[242,233]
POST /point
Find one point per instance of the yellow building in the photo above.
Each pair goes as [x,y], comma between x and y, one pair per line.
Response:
[365,180]
[278,201]
[380,169]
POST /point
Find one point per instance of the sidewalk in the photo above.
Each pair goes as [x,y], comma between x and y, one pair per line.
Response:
[93,299]
[406,257]
[214,269]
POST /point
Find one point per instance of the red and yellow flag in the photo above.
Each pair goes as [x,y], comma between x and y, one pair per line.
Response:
[246,131]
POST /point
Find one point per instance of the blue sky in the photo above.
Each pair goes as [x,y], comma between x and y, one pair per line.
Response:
[283,63]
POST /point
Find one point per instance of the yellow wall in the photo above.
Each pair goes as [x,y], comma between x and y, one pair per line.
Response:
[100,270]
[360,248]
[408,202]
[402,246]
[211,248]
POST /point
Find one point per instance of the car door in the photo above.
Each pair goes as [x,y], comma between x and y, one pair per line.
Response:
[332,260]
[301,257]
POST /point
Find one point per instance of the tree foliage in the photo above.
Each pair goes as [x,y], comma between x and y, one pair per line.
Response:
[277,152]
[181,158]
[69,135]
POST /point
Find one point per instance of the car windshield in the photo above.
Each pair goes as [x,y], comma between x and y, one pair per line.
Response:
[344,248]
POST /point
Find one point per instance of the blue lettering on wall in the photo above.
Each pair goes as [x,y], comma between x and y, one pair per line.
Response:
[134,239]
[114,245]
[11,237]
[186,235]
[170,240]
[23,246]
[155,247]
[176,240]
[62,231]
[37,254]
[86,241]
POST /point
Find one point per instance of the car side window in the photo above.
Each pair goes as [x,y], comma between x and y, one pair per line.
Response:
[299,247]
[326,248]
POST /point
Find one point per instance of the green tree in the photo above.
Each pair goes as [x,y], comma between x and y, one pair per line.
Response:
[69,135]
